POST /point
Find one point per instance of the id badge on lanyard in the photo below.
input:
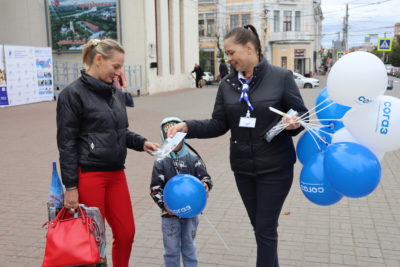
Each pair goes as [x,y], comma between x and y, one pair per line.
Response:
[247,122]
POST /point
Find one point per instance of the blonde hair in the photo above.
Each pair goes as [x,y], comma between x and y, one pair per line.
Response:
[103,47]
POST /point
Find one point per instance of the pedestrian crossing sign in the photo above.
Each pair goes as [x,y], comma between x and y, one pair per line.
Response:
[339,54]
[385,44]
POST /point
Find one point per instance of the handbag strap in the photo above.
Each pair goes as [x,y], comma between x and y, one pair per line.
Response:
[63,211]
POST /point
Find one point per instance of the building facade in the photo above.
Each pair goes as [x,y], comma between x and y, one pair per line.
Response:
[397,29]
[217,17]
[294,34]
[157,35]
[290,31]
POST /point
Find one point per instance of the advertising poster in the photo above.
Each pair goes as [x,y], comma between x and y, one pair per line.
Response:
[44,71]
[3,85]
[74,22]
[29,72]
[21,75]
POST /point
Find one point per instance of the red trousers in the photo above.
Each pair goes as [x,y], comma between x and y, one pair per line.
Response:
[109,192]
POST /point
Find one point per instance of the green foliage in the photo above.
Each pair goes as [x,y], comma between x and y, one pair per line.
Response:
[394,55]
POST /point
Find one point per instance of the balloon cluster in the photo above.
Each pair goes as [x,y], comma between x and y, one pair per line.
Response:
[359,124]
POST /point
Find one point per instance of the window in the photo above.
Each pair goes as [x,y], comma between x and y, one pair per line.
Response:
[201,27]
[210,27]
[297,21]
[246,19]
[234,21]
[287,21]
[284,62]
[276,20]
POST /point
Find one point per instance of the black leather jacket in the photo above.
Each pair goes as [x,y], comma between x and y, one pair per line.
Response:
[92,128]
[250,153]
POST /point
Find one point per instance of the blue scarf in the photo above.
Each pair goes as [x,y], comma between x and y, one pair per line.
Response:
[245,90]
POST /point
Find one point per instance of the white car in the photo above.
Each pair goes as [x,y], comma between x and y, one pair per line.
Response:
[303,82]
[389,68]
[208,77]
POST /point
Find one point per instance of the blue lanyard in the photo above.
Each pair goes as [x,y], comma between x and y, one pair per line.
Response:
[245,91]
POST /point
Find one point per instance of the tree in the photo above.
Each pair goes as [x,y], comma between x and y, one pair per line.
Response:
[220,51]
[394,55]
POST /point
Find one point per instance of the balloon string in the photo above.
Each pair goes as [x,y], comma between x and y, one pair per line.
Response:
[315,113]
[308,112]
[326,120]
[320,127]
[325,132]
[215,230]
[313,132]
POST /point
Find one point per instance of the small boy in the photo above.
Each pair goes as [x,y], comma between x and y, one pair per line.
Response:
[178,233]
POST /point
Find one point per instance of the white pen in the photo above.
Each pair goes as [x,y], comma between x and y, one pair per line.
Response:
[277,111]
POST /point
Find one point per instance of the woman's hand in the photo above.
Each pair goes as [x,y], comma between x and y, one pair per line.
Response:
[150,147]
[71,199]
[293,122]
[180,127]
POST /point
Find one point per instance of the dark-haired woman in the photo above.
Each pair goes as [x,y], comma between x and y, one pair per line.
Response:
[263,170]
[93,137]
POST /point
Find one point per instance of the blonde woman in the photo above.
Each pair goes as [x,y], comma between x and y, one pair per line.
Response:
[93,137]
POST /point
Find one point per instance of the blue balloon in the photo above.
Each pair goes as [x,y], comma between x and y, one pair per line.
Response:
[185,196]
[352,169]
[334,111]
[307,145]
[314,185]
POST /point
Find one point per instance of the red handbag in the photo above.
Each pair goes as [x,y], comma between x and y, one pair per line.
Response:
[71,241]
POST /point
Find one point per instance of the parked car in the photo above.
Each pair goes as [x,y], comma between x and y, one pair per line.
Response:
[208,77]
[303,82]
[394,71]
[389,68]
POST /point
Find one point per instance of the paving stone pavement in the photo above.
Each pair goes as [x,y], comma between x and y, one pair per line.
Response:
[353,232]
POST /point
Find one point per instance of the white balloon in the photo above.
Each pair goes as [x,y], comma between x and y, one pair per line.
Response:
[376,125]
[356,79]
[343,135]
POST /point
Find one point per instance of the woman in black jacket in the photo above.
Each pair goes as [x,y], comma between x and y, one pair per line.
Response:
[263,170]
[93,137]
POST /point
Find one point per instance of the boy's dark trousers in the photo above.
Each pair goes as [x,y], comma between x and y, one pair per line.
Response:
[263,197]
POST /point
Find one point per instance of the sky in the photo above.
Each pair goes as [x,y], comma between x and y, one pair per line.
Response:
[365,17]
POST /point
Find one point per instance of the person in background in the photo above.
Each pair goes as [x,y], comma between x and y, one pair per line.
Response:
[263,170]
[178,233]
[223,68]
[199,74]
[92,139]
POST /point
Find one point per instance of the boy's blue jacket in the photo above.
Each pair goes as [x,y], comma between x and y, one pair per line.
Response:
[182,162]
